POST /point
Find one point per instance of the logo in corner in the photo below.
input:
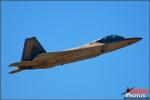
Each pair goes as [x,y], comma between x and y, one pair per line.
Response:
[135,93]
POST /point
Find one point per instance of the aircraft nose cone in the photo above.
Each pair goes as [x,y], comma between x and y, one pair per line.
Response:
[129,41]
[135,39]
[120,44]
[138,39]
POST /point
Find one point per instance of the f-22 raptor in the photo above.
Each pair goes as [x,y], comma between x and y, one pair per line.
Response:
[35,57]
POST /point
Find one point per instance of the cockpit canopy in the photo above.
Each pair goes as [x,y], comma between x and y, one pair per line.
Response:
[111,38]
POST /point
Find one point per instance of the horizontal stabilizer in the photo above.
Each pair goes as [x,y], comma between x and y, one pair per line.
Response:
[22,63]
[15,71]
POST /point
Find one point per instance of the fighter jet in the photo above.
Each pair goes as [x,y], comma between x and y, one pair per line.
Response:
[35,57]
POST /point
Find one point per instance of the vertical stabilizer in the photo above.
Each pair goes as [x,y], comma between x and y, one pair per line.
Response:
[32,48]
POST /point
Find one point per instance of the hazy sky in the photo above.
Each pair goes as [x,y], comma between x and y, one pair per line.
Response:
[63,25]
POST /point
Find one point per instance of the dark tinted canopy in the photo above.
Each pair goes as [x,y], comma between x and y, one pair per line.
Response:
[111,38]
